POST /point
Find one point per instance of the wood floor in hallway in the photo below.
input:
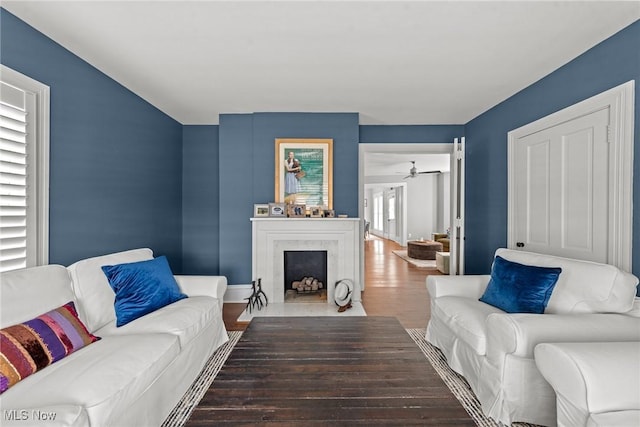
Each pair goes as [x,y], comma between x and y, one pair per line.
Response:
[393,288]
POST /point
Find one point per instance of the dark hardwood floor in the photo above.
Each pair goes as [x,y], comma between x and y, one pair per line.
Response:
[393,288]
[338,371]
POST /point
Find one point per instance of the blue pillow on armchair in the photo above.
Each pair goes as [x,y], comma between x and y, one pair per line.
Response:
[520,288]
[141,288]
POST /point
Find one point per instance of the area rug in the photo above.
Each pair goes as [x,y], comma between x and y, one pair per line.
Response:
[455,382]
[182,411]
[422,263]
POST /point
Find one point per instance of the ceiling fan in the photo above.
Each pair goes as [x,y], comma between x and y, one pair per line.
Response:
[413,172]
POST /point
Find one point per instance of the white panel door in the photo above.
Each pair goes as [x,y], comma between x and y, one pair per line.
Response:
[390,214]
[562,189]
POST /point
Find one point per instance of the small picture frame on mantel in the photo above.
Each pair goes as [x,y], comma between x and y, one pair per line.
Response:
[277,210]
[296,210]
[316,212]
[260,210]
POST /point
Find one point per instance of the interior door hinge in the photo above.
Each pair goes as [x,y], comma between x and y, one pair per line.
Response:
[459,155]
[609,134]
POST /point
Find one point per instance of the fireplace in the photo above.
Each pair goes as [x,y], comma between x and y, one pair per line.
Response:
[339,238]
[305,276]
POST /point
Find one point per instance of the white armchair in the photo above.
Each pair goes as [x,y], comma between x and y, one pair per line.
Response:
[596,384]
[494,350]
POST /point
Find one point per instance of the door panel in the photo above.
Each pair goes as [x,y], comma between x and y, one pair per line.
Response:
[536,187]
[561,181]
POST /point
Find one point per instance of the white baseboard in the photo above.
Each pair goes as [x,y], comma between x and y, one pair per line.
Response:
[237,293]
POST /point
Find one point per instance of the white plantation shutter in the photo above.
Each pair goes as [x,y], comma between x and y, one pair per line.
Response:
[13,178]
[23,166]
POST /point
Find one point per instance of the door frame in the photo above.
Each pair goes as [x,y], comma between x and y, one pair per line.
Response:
[620,102]
[363,149]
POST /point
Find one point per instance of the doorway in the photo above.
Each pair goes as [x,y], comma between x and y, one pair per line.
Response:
[385,197]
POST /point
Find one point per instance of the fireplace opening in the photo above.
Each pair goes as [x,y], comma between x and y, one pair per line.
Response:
[305,276]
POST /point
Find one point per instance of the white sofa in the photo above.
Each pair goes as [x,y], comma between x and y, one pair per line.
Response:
[135,374]
[596,384]
[493,349]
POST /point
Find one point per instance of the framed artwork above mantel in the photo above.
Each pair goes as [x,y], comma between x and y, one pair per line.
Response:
[304,171]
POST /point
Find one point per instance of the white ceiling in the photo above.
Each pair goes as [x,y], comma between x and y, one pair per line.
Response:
[393,62]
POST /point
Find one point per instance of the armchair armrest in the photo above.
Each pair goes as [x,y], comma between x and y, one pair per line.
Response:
[591,378]
[211,286]
[517,334]
[471,286]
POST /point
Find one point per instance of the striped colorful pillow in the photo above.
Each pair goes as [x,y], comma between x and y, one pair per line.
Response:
[37,343]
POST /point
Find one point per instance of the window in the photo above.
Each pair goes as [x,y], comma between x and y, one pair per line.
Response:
[24,171]
[377,211]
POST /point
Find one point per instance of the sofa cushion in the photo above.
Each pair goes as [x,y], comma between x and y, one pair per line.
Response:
[519,288]
[466,317]
[94,296]
[37,343]
[141,288]
[29,292]
[583,286]
[104,378]
[185,319]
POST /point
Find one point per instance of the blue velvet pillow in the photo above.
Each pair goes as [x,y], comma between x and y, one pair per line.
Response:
[519,288]
[142,287]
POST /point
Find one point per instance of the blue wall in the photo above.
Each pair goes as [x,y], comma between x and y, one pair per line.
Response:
[247,170]
[200,201]
[116,161]
[609,64]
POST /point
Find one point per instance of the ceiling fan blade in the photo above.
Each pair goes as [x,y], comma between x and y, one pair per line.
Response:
[431,172]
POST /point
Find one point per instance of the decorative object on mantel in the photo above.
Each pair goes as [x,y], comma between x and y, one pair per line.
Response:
[304,171]
[343,216]
[257,298]
[296,210]
[316,212]
[261,210]
[277,210]
[342,294]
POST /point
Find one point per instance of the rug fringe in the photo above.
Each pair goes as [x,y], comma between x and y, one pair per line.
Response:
[456,382]
[182,411]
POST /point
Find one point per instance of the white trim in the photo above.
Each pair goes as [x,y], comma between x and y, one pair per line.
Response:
[237,293]
[620,102]
[41,92]
[456,245]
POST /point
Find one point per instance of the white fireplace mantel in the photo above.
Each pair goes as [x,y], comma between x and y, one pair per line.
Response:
[271,237]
